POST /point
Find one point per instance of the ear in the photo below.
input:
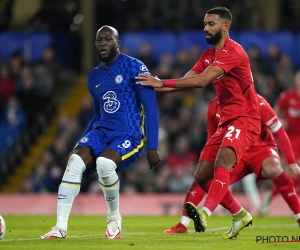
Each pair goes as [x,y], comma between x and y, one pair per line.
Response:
[119,44]
[226,26]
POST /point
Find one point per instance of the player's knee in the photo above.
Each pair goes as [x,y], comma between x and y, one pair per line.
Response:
[105,167]
[201,179]
[76,165]
[271,168]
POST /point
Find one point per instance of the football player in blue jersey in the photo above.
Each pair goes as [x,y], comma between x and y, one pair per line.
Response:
[125,118]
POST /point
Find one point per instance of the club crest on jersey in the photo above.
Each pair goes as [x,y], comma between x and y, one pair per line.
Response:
[119,79]
[84,140]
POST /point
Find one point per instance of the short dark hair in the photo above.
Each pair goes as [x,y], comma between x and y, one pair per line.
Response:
[223,13]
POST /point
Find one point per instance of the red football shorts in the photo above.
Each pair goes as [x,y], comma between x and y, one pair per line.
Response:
[239,134]
[252,161]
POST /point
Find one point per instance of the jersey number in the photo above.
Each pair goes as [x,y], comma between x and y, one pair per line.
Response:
[230,132]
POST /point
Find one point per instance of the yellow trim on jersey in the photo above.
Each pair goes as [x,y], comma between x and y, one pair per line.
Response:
[109,187]
[124,157]
[142,114]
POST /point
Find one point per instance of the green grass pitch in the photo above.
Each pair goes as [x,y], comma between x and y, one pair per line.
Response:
[146,232]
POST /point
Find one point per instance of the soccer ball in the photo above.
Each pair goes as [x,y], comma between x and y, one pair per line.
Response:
[2,227]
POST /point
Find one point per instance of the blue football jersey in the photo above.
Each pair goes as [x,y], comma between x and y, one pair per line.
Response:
[119,99]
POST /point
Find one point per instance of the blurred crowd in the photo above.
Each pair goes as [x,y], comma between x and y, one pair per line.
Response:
[26,91]
[182,132]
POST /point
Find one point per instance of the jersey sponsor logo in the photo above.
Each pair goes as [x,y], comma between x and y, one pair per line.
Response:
[143,68]
[294,112]
[119,79]
[98,85]
[84,140]
[293,101]
[111,104]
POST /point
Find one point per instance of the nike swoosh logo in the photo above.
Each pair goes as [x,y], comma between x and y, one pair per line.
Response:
[108,234]
[98,85]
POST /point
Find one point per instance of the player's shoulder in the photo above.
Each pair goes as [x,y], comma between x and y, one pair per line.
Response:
[130,59]
[95,70]
[287,93]
[232,46]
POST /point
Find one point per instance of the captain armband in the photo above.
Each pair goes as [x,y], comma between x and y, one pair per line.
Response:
[274,128]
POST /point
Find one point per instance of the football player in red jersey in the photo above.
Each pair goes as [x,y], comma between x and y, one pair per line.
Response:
[262,159]
[227,66]
[288,110]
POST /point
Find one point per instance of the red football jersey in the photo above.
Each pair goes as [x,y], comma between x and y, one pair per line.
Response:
[269,123]
[289,102]
[235,89]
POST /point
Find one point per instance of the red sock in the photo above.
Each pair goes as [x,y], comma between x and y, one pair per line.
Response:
[296,182]
[286,188]
[194,195]
[228,202]
[274,191]
[218,188]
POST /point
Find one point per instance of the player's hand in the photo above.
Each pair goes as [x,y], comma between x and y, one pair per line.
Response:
[147,80]
[153,158]
[295,169]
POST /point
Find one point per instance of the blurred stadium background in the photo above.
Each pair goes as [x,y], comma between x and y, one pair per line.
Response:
[47,49]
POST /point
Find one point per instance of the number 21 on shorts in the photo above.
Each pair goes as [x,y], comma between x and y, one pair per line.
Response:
[233,133]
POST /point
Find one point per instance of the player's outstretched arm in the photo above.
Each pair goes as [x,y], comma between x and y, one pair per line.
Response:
[193,81]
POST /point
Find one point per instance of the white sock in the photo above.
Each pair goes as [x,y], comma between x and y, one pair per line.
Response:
[297,216]
[250,187]
[69,189]
[185,220]
[238,211]
[207,211]
[110,186]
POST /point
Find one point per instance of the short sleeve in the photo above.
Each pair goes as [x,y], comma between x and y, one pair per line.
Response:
[227,59]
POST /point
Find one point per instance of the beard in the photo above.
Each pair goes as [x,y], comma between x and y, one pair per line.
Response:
[108,57]
[214,38]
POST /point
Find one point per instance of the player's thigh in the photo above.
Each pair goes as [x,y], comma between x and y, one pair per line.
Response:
[212,146]
[129,148]
[95,141]
[240,135]
[239,171]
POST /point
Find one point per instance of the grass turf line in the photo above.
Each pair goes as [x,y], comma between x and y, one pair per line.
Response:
[144,232]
